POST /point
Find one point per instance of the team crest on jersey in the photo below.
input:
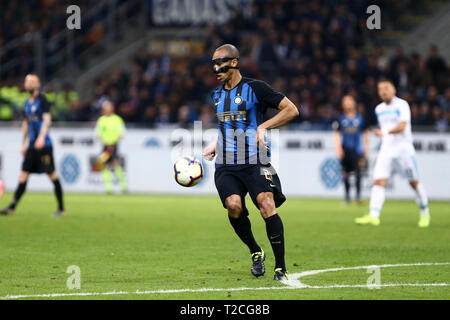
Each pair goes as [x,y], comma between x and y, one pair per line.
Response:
[238,100]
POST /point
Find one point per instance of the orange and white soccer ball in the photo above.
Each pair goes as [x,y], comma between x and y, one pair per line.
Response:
[188,171]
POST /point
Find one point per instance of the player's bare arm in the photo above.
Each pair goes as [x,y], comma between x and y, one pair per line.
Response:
[288,111]
[46,122]
[366,136]
[338,144]
[25,130]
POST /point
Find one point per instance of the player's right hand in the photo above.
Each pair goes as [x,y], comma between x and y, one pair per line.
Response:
[209,152]
[23,150]
[110,149]
[340,153]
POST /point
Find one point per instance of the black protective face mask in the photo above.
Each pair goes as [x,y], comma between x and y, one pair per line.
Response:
[223,69]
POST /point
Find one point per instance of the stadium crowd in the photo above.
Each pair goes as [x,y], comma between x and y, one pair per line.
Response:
[22,27]
[314,52]
[43,18]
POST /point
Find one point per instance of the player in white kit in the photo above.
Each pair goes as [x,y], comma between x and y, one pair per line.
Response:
[394,119]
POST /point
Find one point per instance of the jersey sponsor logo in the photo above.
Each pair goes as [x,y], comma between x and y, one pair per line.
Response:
[330,173]
[34,117]
[351,129]
[231,116]
[385,113]
[70,168]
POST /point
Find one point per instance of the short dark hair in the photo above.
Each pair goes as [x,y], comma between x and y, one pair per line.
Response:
[385,80]
[231,50]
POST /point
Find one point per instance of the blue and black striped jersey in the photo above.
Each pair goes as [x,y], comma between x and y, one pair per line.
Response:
[33,114]
[351,129]
[239,112]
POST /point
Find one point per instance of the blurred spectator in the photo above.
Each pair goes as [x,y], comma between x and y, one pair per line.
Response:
[64,102]
[207,116]
[164,118]
[314,52]
[444,100]
[437,66]
[442,119]
[425,118]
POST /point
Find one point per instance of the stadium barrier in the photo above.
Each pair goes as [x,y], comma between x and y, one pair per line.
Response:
[305,161]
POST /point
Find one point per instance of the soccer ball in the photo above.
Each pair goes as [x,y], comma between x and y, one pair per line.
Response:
[2,188]
[188,171]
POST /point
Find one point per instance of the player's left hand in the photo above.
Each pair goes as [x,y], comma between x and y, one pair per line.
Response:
[39,143]
[261,137]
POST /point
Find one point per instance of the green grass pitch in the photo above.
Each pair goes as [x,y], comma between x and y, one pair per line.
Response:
[151,243]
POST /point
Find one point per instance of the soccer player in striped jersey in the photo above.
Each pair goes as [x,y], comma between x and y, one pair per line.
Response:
[243,154]
[351,140]
[37,147]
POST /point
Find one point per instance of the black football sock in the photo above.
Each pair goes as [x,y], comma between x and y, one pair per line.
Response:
[18,194]
[59,194]
[347,189]
[275,233]
[358,185]
[243,229]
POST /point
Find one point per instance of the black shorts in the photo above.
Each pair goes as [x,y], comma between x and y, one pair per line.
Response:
[39,161]
[351,161]
[254,179]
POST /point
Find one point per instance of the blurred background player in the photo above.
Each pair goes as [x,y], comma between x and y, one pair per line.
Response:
[110,129]
[242,165]
[351,140]
[36,144]
[394,118]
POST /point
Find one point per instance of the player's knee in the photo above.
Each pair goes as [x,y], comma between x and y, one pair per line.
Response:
[23,176]
[414,184]
[53,176]
[266,204]
[234,206]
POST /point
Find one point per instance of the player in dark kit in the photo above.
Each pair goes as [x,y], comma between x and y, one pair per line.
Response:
[243,154]
[38,152]
[351,140]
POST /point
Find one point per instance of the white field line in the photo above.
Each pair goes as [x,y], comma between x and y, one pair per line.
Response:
[296,283]
[292,283]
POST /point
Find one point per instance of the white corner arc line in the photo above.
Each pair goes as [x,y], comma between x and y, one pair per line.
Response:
[296,283]
[292,283]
